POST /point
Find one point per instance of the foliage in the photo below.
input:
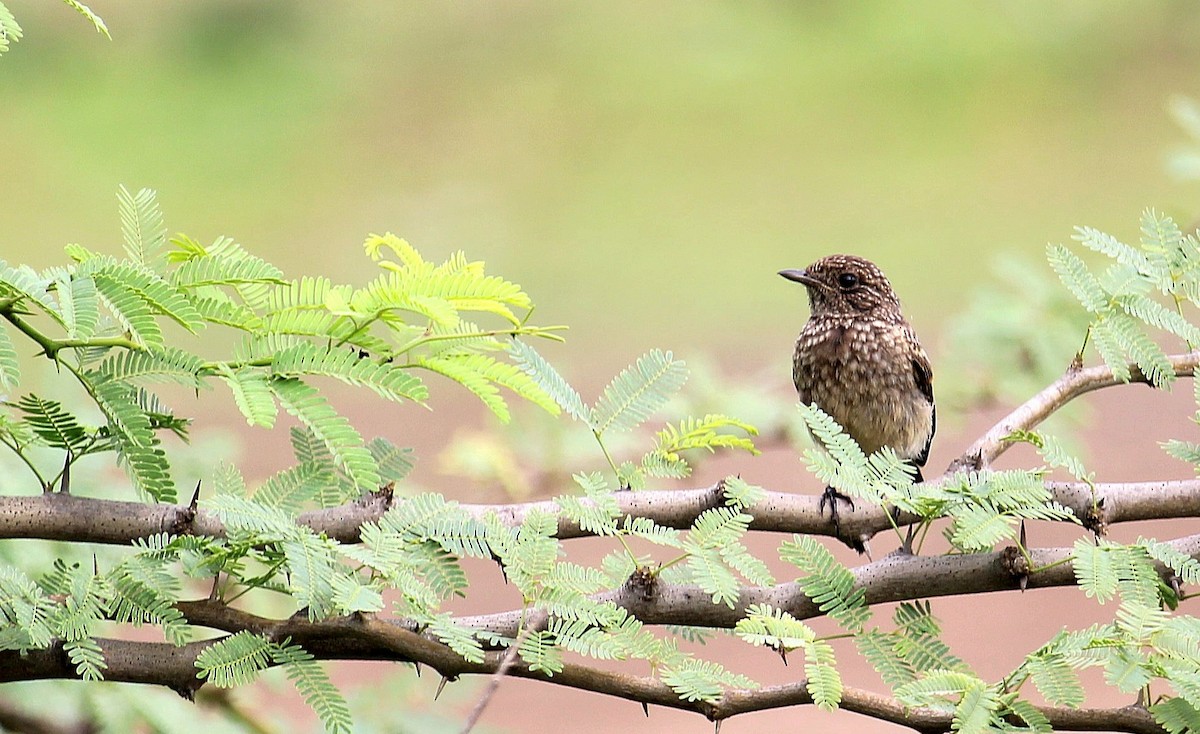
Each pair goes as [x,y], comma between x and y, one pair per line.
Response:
[10,30]
[1120,299]
[120,329]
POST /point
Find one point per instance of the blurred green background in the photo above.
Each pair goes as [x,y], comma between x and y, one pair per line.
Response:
[642,169]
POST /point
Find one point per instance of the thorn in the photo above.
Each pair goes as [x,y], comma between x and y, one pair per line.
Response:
[646,709]
[717,726]
[909,537]
[65,487]
[195,497]
[783,655]
[212,594]
[417,667]
[1024,543]
[95,565]
[1023,582]
[441,686]
[865,542]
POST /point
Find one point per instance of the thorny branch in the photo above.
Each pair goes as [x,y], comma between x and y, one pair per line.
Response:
[899,576]
[894,578]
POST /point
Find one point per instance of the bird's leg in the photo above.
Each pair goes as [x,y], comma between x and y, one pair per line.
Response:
[831,497]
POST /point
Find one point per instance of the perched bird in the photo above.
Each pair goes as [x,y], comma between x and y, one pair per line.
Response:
[860,362]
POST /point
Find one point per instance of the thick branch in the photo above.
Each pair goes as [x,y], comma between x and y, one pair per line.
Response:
[67,517]
[163,664]
[1075,382]
[896,577]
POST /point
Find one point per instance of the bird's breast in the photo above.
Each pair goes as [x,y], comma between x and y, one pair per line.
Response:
[860,373]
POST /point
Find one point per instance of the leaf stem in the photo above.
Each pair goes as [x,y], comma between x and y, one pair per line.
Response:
[21,455]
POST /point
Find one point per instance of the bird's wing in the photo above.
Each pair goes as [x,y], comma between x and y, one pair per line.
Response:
[923,374]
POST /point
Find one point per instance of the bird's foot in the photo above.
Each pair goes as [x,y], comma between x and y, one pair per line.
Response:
[831,497]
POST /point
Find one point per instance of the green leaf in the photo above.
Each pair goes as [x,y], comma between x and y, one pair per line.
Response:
[162,297]
[87,657]
[703,433]
[741,493]
[828,583]
[145,592]
[130,309]
[977,711]
[142,225]
[251,393]
[314,685]
[1078,279]
[549,379]
[1108,245]
[880,651]
[92,18]
[1154,313]
[713,576]
[1187,567]
[1056,680]
[717,526]
[269,523]
[290,489]
[824,682]
[53,424]
[638,391]
[311,561]
[540,653]
[25,283]
[1177,715]
[386,380]
[352,596]
[166,365]
[1108,343]
[1148,356]
[458,638]
[79,304]
[82,608]
[597,514]
[131,429]
[916,639]
[26,611]
[10,30]
[701,680]
[344,443]
[934,688]
[394,462]
[775,628]
[235,660]
[480,374]
[231,267]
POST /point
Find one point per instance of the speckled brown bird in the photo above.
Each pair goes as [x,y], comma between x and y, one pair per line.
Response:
[859,361]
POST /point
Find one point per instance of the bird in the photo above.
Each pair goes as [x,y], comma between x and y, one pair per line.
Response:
[859,361]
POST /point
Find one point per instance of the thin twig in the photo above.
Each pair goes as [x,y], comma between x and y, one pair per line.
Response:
[1073,383]
[535,623]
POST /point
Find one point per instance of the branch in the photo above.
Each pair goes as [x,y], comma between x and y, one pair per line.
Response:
[161,663]
[1075,382]
[66,517]
[896,577]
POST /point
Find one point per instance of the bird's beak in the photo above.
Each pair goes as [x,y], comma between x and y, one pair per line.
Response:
[801,276]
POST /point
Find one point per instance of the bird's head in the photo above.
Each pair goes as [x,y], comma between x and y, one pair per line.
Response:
[847,285]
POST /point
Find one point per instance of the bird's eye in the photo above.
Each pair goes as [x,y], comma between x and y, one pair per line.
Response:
[847,280]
